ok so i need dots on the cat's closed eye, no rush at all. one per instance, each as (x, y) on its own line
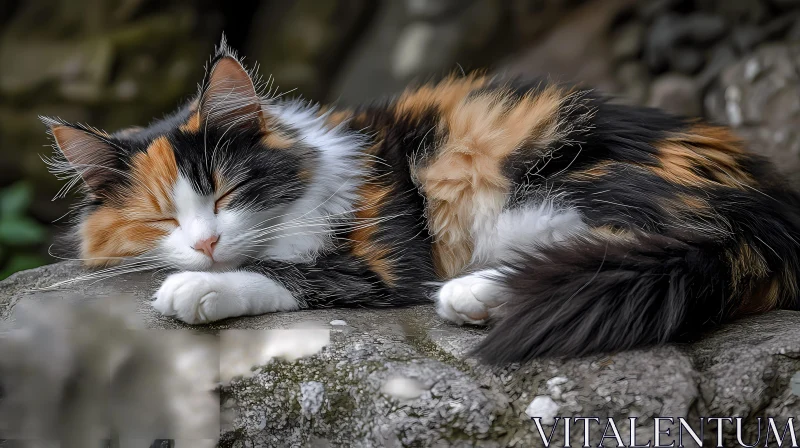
(223, 200)
(167, 221)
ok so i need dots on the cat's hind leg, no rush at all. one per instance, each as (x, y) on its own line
(479, 296)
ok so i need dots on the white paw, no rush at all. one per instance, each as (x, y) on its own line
(193, 297)
(473, 298)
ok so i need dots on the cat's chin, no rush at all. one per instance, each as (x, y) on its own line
(208, 266)
(221, 266)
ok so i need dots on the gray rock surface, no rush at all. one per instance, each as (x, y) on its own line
(759, 96)
(340, 396)
(676, 94)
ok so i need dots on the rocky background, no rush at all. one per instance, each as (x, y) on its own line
(115, 63)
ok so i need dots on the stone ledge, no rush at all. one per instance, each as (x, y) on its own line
(338, 397)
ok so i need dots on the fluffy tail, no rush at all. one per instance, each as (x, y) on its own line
(605, 295)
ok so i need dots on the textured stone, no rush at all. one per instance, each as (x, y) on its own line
(413, 40)
(634, 80)
(686, 60)
(675, 40)
(338, 396)
(677, 94)
(577, 50)
(759, 96)
(628, 41)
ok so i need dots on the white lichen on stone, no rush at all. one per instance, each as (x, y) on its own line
(543, 407)
(293, 344)
(403, 388)
(733, 108)
(312, 395)
(242, 350)
(554, 386)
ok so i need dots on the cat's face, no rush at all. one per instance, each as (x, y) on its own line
(194, 190)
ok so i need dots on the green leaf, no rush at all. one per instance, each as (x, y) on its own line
(21, 231)
(14, 200)
(21, 262)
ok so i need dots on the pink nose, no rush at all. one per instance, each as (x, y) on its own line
(206, 246)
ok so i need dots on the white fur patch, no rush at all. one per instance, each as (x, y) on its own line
(523, 228)
(333, 190)
(473, 298)
(197, 221)
(201, 297)
(195, 215)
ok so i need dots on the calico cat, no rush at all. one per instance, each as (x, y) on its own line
(579, 225)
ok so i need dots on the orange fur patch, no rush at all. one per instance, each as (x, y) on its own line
(687, 212)
(592, 173)
(154, 173)
(192, 125)
(371, 197)
(107, 235)
(761, 288)
(690, 209)
(693, 203)
(701, 157)
(764, 296)
(613, 233)
(444, 96)
(752, 280)
(131, 225)
(335, 118)
(464, 180)
(278, 140)
(748, 262)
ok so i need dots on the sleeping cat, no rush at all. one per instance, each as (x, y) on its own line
(579, 225)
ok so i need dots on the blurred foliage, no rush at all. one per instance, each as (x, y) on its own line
(20, 234)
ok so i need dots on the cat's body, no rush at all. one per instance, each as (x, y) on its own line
(582, 225)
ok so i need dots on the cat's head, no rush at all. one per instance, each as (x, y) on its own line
(191, 187)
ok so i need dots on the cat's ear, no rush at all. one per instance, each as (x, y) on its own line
(86, 151)
(229, 98)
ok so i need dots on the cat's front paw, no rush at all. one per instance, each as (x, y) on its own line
(473, 299)
(193, 297)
